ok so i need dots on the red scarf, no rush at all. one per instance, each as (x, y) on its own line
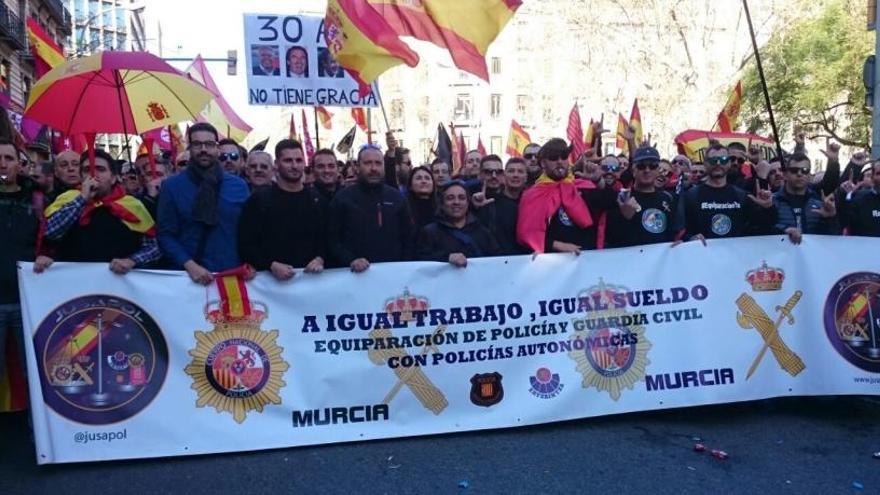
(541, 202)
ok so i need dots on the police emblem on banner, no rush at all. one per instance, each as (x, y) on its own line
(101, 359)
(613, 357)
(721, 224)
(486, 389)
(545, 384)
(402, 307)
(654, 221)
(237, 367)
(852, 319)
(766, 280)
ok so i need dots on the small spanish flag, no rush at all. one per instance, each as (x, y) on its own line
(729, 115)
(324, 117)
(517, 140)
(588, 135)
(234, 300)
(635, 120)
(622, 124)
(360, 118)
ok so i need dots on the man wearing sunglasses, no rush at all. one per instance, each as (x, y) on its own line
(804, 209)
(560, 213)
(717, 209)
(231, 157)
(644, 215)
(491, 180)
(530, 155)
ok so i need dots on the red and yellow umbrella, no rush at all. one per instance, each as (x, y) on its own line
(115, 92)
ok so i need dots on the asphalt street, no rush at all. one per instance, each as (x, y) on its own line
(794, 445)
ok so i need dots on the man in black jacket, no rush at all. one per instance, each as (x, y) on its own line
(499, 215)
(282, 225)
(860, 211)
(457, 236)
(802, 208)
(20, 215)
(369, 222)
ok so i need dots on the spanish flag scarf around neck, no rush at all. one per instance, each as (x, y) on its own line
(540, 202)
(127, 208)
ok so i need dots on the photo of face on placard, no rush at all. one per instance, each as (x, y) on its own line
(327, 65)
(264, 60)
(297, 61)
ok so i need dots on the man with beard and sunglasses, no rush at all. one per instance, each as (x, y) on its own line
(644, 215)
(282, 226)
(199, 210)
(560, 213)
(369, 222)
(231, 157)
(530, 155)
(718, 209)
(803, 209)
(500, 215)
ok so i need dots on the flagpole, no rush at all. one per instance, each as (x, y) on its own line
(763, 81)
(369, 126)
(381, 104)
(317, 132)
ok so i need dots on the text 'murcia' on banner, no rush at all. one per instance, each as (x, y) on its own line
(288, 63)
(151, 365)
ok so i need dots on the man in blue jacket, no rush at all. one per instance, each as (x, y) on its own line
(199, 210)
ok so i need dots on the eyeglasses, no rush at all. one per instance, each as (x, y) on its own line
(493, 171)
(647, 165)
(614, 167)
(529, 156)
(231, 157)
(718, 160)
(555, 156)
(203, 144)
(798, 171)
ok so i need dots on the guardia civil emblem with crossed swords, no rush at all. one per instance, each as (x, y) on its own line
(752, 316)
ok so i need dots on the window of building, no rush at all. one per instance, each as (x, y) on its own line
(425, 146)
(120, 41)
(108, 41)
(26, 88)
(496, 65)
(522, 105)
(495, 145)
(495, 106)
(120, 18)
(464, 104)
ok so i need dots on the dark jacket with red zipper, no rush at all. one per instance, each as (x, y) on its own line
(371, 222)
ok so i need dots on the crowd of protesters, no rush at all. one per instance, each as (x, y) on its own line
(217, 207)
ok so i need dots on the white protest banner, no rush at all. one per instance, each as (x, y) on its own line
(150, 364)
(288, 63)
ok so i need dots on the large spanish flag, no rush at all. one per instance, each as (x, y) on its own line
(47, 53)
(362, 41)
(729, 115)
(517, 140)
(465, 28)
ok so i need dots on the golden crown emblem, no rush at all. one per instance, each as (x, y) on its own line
(765, 278)
(215, 314)
(406, 304)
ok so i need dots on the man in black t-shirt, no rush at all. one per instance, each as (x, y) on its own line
(645, 215)
(717, 209)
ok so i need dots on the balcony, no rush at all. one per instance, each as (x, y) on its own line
(59, 13)
(11, 28)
